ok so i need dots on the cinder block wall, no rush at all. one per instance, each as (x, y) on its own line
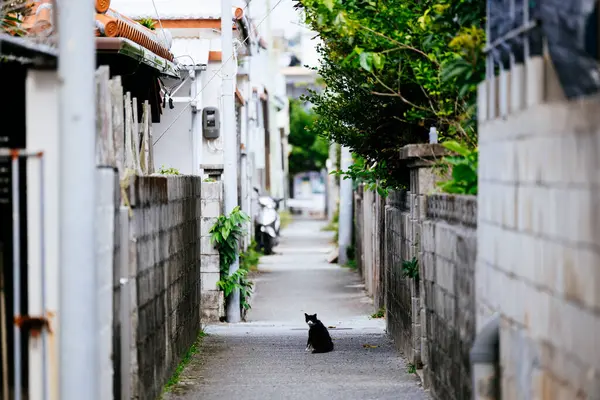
(165, 258)
(539, 237)
(399, 290)
(358, 229)
(447, 275)
(213, 301)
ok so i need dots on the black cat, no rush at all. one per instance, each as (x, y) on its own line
(318, 336)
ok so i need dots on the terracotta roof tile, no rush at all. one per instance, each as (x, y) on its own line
(109, 23)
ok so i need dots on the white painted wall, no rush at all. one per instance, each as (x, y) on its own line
(175, 147)
(43, 134)
(212, 150)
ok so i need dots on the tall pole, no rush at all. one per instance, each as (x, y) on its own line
(345, 220)
(78, 312)
(274, 144)
(229, 133)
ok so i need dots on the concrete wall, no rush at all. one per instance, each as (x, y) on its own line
(430, 317)
(164, 250)
(447, 275)
(175, 148)
(401, 313)
(539, 230)
(213, 307)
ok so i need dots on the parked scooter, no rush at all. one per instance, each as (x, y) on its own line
(267, 223)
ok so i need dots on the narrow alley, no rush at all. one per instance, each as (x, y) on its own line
(264, 358)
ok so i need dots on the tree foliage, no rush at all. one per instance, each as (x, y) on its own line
(393, 69)
(309, 149)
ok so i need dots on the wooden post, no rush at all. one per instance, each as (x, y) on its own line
(104, 136)
(144, 142)
(118, 123)
(135, 134)
(129, 146)
(150, 141)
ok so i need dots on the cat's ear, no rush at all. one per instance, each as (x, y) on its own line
(315, 316)
(306, 315)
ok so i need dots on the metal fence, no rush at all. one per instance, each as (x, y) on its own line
(565, 30)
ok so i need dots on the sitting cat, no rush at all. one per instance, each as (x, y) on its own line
(318, 336)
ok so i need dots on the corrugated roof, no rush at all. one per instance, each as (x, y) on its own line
(170, 9)
(191, 51)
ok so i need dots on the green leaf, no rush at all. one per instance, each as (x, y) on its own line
(365, 60)
(378, 61)
(456, 147)
(463, 172)
(329, 4)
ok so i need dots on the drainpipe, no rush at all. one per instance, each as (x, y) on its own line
(485, 361)
(78, 313)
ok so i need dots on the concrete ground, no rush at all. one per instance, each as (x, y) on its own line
(265, 358)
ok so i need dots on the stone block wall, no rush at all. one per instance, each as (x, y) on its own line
(447, 274)
(358, 228)
(213, 302)
(539, 236)
(106, 201)
(165, 260)
(368, 226)
(369, 230)
(399, 292)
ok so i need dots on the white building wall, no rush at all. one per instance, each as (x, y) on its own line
(43, 134)
(174, 149)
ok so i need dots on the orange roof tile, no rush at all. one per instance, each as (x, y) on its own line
(109, 23)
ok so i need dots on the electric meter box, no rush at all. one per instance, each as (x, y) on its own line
(211, 124)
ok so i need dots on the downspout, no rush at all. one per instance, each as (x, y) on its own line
(485, 361)
(196, 130)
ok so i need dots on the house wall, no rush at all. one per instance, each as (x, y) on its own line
(538, 260)
(175, 148)
(212, 150)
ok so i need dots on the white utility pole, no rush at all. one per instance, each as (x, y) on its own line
(229, 132)
(345, 221)
(78, 312)
(274, 144)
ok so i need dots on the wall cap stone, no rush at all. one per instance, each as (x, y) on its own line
(422, 153)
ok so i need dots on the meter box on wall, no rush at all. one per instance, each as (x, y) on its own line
(211, 124)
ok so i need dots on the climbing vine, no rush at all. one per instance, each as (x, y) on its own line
(226, 234)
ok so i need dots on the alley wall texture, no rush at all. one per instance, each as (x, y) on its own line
(157, 268)
(526, 249)
(165, 270)
(157, 316)
(430, 316)
(538, 263)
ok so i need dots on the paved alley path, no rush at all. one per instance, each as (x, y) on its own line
(265, 358)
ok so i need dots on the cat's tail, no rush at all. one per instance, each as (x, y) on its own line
(325, 350)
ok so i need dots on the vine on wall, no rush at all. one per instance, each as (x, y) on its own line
(226, 234)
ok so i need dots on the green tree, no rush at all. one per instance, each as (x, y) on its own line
(392, 70)
(310, 150)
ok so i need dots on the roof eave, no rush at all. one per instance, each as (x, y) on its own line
(41, 55)
(133, 50)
